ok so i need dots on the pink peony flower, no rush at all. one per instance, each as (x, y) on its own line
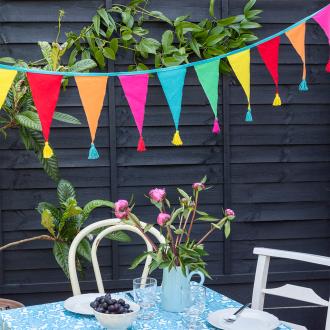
(230, 214)
(157, 194)
(163, 218)
(198, 186)
(121, 209)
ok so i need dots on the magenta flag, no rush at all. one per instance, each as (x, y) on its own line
(136, 88)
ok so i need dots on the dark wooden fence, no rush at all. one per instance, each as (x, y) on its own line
(273, 172)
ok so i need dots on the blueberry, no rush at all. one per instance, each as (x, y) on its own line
(112, 301)
(121, 302)
(116, 306)
(127, 306)
(107, 312)
(130, 311)
(121, 310)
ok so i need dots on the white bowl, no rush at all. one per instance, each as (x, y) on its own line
(118, 321)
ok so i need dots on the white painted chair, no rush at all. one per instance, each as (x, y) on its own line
(287, 290)
(110, 226)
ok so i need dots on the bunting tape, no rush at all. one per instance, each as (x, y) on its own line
(125, 73)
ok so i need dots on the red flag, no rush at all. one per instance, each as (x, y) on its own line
(269, 54)
(45, 90)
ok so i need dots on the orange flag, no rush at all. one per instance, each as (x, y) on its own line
(297, 39)
(92, 92)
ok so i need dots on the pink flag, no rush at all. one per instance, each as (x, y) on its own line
(323, 18)
(136, 88)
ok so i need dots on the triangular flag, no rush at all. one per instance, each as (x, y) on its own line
(136, 88)
(297, 39)
(240, 63)
(269, 54)
(45, 89)
(172, 82)
(323, 19)
(208, 76)
(92, 92)
(6, 79)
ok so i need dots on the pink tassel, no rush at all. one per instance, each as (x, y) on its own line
(216, 127)
(141, 146)
(327, 67)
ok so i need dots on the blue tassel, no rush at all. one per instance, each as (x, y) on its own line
(248, 116)
(303, 86)
(93, 154)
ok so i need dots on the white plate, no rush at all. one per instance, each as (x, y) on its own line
(80, 303)
(249, 319)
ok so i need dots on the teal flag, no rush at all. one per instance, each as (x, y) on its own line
(208, 76)
(172, 82)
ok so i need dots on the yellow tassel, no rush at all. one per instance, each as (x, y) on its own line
(277, 100)
(48, 152)
(177, 139)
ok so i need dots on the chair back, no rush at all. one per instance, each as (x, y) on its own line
(288, 291)
(110, 226)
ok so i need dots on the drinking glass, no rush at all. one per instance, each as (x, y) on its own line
(198, 298)
(145, 295)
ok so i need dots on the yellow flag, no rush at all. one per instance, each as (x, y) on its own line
(240, 64)
(6, 79)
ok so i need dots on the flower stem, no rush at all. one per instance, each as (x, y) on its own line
(26, 240)
(193, 216)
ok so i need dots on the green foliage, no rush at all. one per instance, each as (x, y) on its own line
(64, 222)
(122, 27)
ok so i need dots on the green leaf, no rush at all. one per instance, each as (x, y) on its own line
(249, 5)
(66, 118)
(99, 58)
(250, 25)
(103, 13)
(253, 13)
(167, 40)
(180, 19)
(227, 229)
(126, 35)
(208, 218)
(147, 227)
(65, 190)
(61, 254)
(161, 16)
(92, 205)
(83, 65)
(227, 21)
(149, 45)
(138, 260)
(183, 193)
(178, 231)
(114, 44)
(140, 31)
(46, 51)
(47, 221)
(189, 27)
(194, 45)
(8, 60)
(213, 39)
(84, 249)
(71, 209)
(211, 8)
(96, 23)
(29, 119)
(109, 53)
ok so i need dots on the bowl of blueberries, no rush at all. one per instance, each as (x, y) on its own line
(113, 312)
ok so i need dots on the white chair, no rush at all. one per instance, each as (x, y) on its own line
(109, 225)
(287, 290)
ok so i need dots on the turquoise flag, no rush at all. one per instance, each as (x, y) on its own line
(172, 82)
(208, 76)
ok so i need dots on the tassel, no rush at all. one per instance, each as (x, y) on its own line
(141, 146)
(93, 154)
(48, 151)
(216, 127)
(177, 139)
(327, 67)
(248, 116)
(303, 86)
(277, 100)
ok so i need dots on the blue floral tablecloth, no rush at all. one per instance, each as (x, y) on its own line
(54, 316)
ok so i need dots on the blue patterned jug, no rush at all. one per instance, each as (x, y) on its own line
(175, 292)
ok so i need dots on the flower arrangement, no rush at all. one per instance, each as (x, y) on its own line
(179, 249)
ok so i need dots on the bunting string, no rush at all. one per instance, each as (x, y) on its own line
(45, 85)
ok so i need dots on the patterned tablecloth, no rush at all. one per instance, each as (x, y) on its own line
(54, 316)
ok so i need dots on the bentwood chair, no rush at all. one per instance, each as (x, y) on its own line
(288, 291)
(110, 226)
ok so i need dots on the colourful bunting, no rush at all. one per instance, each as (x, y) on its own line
(240, 64)
(297, 39)
(136, 88)
(208, 76)
(269, 54)
(172, 82)
(323, 19)
(92, 92)
(6, 79)
(45, 90)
